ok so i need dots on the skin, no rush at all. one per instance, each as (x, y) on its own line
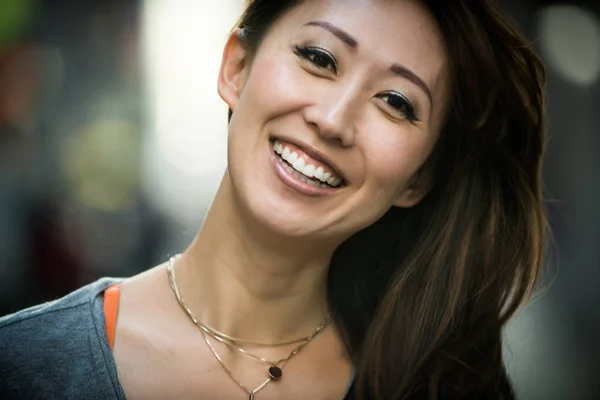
(258, 267)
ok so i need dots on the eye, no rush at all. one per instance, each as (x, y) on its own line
(399, 104)
(318, 57)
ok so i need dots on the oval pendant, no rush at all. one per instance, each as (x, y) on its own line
(275, 372)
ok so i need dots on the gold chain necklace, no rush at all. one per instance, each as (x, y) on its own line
(250, 392)
(275, 370)
(212, 331)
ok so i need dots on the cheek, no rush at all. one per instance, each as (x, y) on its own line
(265, 94)
(394, 155)
(276, 84)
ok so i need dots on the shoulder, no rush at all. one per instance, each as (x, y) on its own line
(51, 347)
(52, 321)
(56, 312)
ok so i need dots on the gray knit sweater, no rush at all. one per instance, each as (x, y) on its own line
(59, 350)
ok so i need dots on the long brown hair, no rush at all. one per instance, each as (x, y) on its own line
(421, 295)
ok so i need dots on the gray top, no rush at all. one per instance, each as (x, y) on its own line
(59, 350)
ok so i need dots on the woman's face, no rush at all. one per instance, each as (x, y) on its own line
(357, 90)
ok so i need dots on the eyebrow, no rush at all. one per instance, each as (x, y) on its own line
(352, 42)
(414, 78)
(344, 36)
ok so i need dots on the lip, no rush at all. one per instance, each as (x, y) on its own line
(314, 153)
(294, 183)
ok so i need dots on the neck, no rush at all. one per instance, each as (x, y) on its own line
(250, 283)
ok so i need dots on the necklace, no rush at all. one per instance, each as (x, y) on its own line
(275, 370)
(213, 332)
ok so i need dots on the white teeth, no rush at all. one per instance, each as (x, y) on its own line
(299, 164)
(288, 168)
(332, 182)
(319, 173)
(309, 170)
(278, 148)
(301, 169)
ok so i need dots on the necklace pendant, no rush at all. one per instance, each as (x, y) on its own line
(275, 372)
(251, 396)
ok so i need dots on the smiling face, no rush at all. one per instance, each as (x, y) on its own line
(334, 115)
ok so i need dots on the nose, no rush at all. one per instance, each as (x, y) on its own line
(334, 114)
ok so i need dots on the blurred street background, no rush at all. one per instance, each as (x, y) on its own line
(112, 142)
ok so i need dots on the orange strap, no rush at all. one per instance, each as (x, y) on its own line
(111, 308)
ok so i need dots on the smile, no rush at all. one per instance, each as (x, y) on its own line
(303, 172)
(309, 171)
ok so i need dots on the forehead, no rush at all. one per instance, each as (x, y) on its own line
(387, 31)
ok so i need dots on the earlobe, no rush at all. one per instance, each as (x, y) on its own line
(416, 190)
(233, 70)
(409, 198)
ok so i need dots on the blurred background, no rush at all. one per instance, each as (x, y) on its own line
(112, 142)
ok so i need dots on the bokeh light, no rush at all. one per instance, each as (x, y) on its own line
(185, 151)
(570, 42)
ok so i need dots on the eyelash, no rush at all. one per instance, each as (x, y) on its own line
(327, 61)
(310, 54)
(405, 107)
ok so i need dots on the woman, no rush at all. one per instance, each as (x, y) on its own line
(379, 221)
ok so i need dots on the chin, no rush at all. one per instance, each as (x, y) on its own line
(283, 216)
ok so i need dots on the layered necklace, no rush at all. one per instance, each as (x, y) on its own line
(275, 367)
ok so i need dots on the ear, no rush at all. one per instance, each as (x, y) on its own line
(419, 185)
(232, 75)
